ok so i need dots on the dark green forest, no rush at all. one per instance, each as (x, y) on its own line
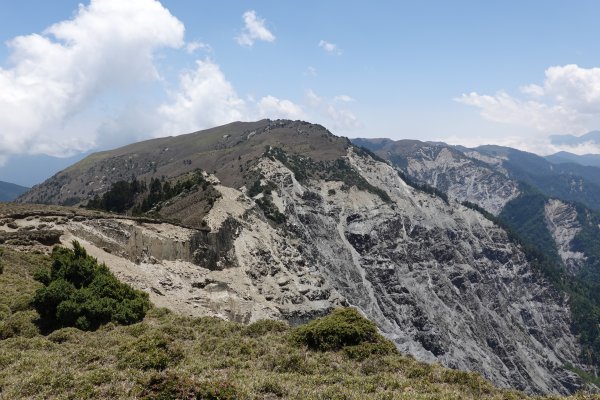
(140, 198)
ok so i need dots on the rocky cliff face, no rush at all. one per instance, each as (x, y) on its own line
(563, 224)
(326, 229)
(463, 177)
(442, 281)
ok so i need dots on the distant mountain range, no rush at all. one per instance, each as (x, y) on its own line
(563, 157)
(10, 191)
(572, 140)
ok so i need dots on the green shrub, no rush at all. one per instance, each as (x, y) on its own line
(290, 362)
(4, 311)
(79, 292)
(265, 326)
(19, 324)
(167, 386)
(362, 351)
(343, 327)
(21, 302)
(152, 350)
(65, 335)
(271, 386)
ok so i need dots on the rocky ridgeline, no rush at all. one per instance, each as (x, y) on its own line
(463, 177)
(439, 279)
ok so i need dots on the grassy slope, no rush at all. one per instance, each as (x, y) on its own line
(167, 354)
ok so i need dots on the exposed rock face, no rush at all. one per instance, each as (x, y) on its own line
(562, 222)
(442, 281)
(439, 279)
(462, 176)
(465, 180)
(248, 282)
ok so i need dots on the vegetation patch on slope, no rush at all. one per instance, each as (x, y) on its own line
(265, 201)
(184, 199)
(305, 168)
(423, 187)
(80, 292)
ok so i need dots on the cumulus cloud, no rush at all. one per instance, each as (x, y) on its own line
(205, 98)
(330, 48)
(330, 114)
(507, 109)
(272, 107)
(194, 46)
(57, 74)
(567, 101)
(254, 30)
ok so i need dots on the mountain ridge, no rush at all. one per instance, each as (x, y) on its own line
(542, 216)
(573, 140)
(306, 220)
(562, 157)
(11, 191)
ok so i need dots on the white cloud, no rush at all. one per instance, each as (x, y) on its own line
(254, 30)
(311, 71)
(192, 47)
(205, 99)
(313, 99)
(57, 75)
(330, 48)
(568, 101)
(507, 109)
(272, 107)
(330, 114)
(344, 98)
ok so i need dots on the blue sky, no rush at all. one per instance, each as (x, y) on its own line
(467, 72)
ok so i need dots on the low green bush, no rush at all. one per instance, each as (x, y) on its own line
(265, 326)
(271, 386)
(152, 350)
(19, 324)
(342, 328)
(4, 311)
(80, 292)
(167, 386)
(65, 335)
(363, 351)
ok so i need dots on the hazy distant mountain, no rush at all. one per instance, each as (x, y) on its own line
(10, 191)
(563, 157)
(30, 169)
(572, 140)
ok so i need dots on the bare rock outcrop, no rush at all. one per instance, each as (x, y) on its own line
(563, 224)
